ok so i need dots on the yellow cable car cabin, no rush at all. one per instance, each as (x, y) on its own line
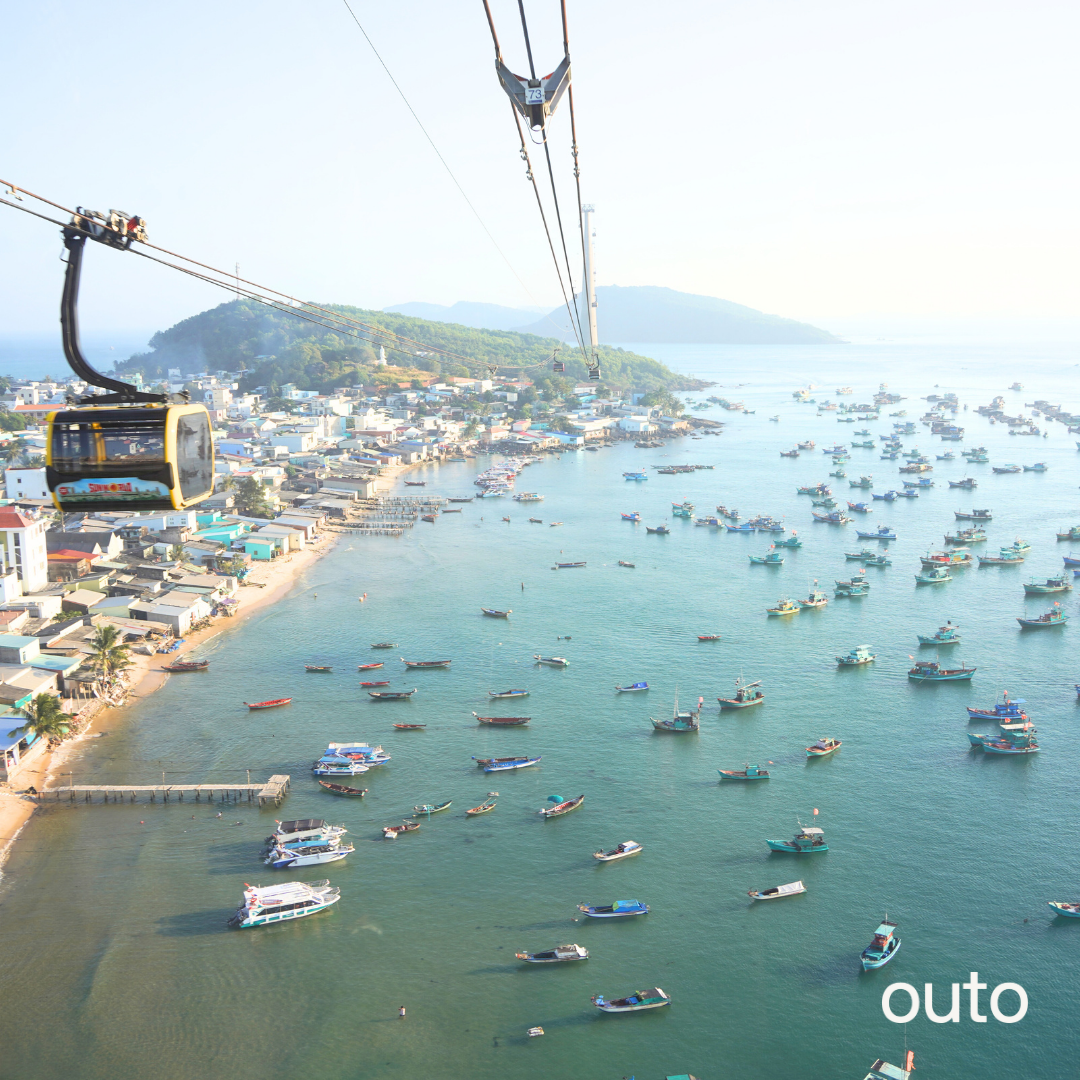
(153, 457)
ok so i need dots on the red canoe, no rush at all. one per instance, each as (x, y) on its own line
(367, 667)
(273, 704)
(387, 683)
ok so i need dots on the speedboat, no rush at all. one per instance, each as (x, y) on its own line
(883, 948)
(278, 903)
(308, 854)
(560, 954)
(620, 851)
(794, 888)
(633, 688)
(618, 910)
(551, 661)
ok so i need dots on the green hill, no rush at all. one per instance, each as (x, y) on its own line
(274, 348)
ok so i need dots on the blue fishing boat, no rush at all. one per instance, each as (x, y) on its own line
(635, 476)
(889, 496)
(661, 530)
(635, 516)
(1051, 585)
(772, 557)
(806, 841)
(619, 910)
(859, 507)
(681, 512)
(935, 575)
(884, 532)
(1054, 617)
(1003, 710)
(863, 482)
(947, 456)
(792, 541)
(632, 688)
(855, 587)
(1014, 739)
(932, 671)
(1069, 910)
(746, 527)
(922, 482)
(504, 764)
(1071, 559)
(883, 948)
(907, 493)
(833, 517)
(680, 722)
(967, 482)
(750, 772)
(861, 654)
(1039, 466)
(944, 635)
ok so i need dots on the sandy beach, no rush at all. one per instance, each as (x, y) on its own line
(267, 583)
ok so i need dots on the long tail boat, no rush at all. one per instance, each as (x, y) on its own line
(561, 806)
(503, 721)
(343, 789)
(274, 703)
(391, 695)
(368, 667)
(425, 663)
(187, 665)
(485, 807)
(410, 727)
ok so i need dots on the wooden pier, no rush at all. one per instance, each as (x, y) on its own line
(273, 790)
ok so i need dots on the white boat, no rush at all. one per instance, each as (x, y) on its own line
(291, 858)
(303, 829)
(279, 903)
(777, 891)
(338, 767)
(560, 954)
(552, 661)
(620, 851)
(643, 999)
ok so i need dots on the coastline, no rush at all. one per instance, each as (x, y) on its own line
(267, 584)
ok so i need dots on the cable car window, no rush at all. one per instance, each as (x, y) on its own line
(194, 455)
(104, 446)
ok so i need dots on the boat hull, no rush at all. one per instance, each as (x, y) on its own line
(731, 703)
(1061, 908)
(870, 963)
(792, 849)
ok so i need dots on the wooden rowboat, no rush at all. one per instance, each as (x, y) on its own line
(503, 721)
(428, 809)
(343, 789)
(425, 663)
(563, 806)
(391, 832)
(410, 727)
(187, 665)
(368, 667)
(388, 695)
(508, 693)
(485, 807)
(272, 704)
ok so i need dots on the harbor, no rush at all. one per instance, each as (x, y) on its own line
(435, 919)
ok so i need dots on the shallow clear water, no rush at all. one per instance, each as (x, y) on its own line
(117, 958)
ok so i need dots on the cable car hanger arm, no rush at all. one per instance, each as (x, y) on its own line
(117, 232)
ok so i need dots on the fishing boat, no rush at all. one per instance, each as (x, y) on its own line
(391, 695)
(342, 767)
(416, 483)
(947, 456)
(1039, 466)
(567, 565)
(303, 829)
(889, 496)
(494, 613)
(975, 534)
(861, 654)
(807, 840)
(620, 851)
(431, 517)
(273, 703)
(922, 482)
(814, 489)
(392, 832)
(746, 527)
(1006, 468)
(643, 999)
(635, 516)
(1071, 560)
(823, 747)
(833, 517)
(863, 482)
(1003, 710)
(860, 556)
(790, 453)
(385, 645)
(192, 665)
(633, 688)
(536, 521)
(974, 515)
(629, 564)
(1062, 907)
(792, 541)
(808, 445)
(772, 557)
(1054, 617)
(428, 809)
(932, 671)
(937, 575)
(311, 854)
(661, 530)
(777, 891)
(1015, 739)
(426, 663)
(859, 507)
(878, 560)
(750, 772)
(882, 1070)
(784, 606)
(949, 634)
(410, 727)
(619, 910)
(635, 476)
(502, 721)
(968, 482)
(321, 669)
(560, 954)
(1073, 533)
(708, 637)
(507, 693)
(1051, 585)
(381, 682)
(838, 473)
(955, 559)
(469, 499)
(343, 789)
(816, 599)
(447, 510)
(551, 661)
(1006, 557)
(279, 903)
(680, 721)
(857, 586)
(505, 764)
(369, 667)
(560, 806)
(883, 532)
(883, 948)
(746, 694)
(485, 807)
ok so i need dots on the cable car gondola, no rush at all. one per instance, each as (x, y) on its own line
(124, 450)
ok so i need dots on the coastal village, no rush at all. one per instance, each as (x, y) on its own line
(291, 473)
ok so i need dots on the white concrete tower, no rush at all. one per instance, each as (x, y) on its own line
(588, 288)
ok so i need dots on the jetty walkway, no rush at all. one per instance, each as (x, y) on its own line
(273, 790)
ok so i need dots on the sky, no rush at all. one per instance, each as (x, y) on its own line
(847, 163)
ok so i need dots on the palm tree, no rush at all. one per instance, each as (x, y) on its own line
(107, 652)
(176, 553)
(44, 718)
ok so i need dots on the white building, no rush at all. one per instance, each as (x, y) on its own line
(25, 484)
(22, 543)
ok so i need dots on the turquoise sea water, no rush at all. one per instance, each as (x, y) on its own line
(117, 961)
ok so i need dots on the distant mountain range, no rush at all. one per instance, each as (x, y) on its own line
(639, 314)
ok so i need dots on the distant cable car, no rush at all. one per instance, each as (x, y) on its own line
(127, 450)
